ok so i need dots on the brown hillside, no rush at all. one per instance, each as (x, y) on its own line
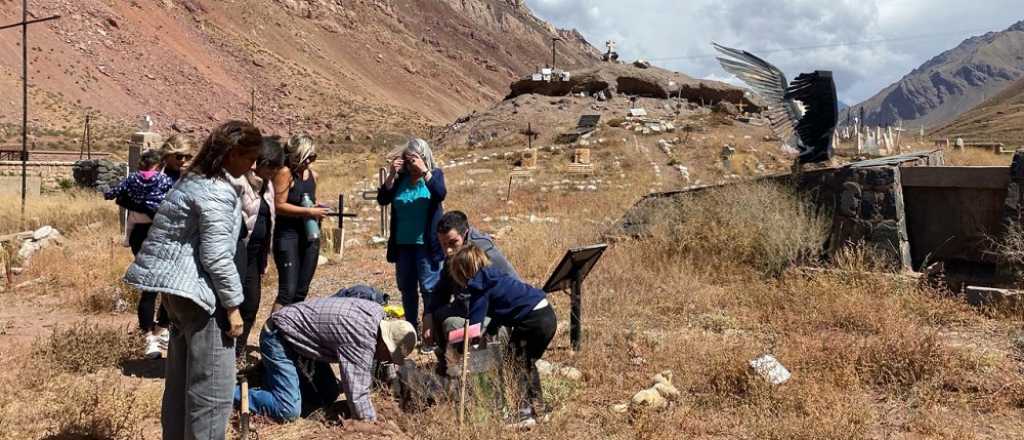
(316, 65)
(1000, 119)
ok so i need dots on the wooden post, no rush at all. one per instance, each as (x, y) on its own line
(575, 317)
(508, 194)
(382, 175)
(7, 252)
(134, 154)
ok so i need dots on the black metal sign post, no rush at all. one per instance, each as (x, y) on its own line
(24, 92)
(569, 275)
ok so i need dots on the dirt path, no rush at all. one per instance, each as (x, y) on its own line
(659, 180)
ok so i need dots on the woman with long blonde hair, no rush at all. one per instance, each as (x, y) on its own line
(295, 253)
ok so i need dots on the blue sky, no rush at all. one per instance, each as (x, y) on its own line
(676, 34)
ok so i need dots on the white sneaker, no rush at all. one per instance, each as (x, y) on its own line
(164, 338)
(153, 347)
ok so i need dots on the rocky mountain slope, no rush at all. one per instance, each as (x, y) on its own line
(951, 83)
(1000, 119)
(335, 66)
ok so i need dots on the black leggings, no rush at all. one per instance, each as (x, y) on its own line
(147, 300)
(528, 341)
(295, 258)
(252, 282)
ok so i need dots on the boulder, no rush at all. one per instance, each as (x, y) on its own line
(726, 108)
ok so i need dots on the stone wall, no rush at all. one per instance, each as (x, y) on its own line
(50, 174)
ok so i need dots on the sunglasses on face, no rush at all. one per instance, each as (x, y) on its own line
(183, 157)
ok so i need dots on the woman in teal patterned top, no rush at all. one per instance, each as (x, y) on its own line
(415, 189)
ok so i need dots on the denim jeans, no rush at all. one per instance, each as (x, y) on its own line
(415, 269)
(200, 373)
(287, 393)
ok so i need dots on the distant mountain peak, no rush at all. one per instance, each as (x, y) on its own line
(952, 82)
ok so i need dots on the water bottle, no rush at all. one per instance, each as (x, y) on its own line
(312, 228)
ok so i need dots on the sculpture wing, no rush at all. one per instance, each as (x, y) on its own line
(768, 82)
(817, 92)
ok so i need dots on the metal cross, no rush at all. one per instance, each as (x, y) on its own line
(24, 91)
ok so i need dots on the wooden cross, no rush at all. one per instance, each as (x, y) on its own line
(24, 91)
(530, 135)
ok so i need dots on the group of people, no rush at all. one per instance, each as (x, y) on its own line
(202, 228)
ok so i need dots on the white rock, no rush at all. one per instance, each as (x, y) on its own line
(377, 240)
(321, 260)
(42, 233)
(770, 369)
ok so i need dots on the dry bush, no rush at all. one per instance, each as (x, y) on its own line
(101, 408)
(117, 297)
(1009, 246)
(761, 226)
(87, 347)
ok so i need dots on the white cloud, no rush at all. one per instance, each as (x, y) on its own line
(677, 34)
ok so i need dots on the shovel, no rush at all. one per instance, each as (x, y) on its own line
(243, 418)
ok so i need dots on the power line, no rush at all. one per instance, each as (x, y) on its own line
(830, 45)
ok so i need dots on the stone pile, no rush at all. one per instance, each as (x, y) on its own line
(648, 126)
(29, 243)
(101, 174)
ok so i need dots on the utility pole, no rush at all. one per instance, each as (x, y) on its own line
(24, 92)
(553, 41)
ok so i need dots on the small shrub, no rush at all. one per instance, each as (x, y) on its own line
(86, 348)
(65, 183)
(101, 409)
(117, 298)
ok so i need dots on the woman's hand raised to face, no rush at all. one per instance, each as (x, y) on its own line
(417, 167)
(396, 165)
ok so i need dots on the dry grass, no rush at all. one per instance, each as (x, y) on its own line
(976, 157)
(68, 211)
(760, 226)
(102, 408)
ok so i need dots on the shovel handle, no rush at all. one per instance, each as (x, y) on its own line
(465, 366)
(243, 418)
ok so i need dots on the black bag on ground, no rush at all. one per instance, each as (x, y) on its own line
(363, 291)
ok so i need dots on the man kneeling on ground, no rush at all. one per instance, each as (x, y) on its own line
(300, 341)
(443, 314)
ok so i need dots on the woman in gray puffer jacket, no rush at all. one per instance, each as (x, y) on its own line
(188, 258)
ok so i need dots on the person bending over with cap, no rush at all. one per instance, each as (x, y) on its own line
(443, 313)
(299, 342)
